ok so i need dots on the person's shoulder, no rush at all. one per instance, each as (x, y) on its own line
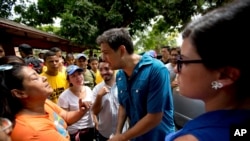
(158, 65)
(168, 64)
(101, 84)
(87, 88)
(49, 103)
(62, 74)
(64, 93)
(87, 73)
(119, 72)
(43, 74)
(187, 137)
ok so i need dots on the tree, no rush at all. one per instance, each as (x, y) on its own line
(5, 8)
(153, 38)
(83, 20)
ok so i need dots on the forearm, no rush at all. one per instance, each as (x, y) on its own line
(72, 116)
(97, 106)
(121, 119)
(146, 124)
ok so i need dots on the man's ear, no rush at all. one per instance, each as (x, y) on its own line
(229, 75)
(18, 93)
(122, 50)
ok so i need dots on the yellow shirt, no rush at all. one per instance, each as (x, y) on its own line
(63, 70)
(98, 77)
(58, 83)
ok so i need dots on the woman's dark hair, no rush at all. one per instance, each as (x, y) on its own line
(219, 40)
(12, 59)
(10, 78)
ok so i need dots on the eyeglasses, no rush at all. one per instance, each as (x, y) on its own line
(5, 125)
(180, 62)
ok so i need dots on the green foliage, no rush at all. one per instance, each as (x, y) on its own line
(50, 29)
(155, 37)
(39, 13)
(5, 8)
(83, 20)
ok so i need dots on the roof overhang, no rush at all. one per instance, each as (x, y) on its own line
(36, 38)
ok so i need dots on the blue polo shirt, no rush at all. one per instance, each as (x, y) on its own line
(148, 90)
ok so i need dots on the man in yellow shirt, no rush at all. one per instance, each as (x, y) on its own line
(56, 79)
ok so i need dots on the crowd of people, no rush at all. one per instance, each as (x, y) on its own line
(125, 96)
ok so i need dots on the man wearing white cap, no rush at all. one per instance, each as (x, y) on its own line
(89, 76)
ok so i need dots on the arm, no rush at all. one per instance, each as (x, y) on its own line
(143, 126)
(97, 106)
(73, 116)
(121, 119)
(95, 119)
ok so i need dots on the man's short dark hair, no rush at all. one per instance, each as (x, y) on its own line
(55, 49)
(166, 47)
(25, 48)
(48, 54)
(93, 59)
(116, 37)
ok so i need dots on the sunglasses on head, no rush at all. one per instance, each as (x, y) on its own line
(5, 67)
(180, 61)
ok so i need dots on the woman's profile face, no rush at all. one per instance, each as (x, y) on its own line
(35, 85)
(194, 79)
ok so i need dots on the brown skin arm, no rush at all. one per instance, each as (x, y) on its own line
(147, 123)
(121, 119)
(73, 116)
(97, 106)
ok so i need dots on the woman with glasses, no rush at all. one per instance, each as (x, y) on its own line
(214, 68)
(23, 99)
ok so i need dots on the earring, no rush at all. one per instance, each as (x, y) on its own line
(216, 85)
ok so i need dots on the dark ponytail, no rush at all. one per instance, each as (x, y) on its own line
(10, 78)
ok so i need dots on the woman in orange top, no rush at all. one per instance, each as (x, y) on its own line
(24, 100)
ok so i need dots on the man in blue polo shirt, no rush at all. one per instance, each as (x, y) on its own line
(144, 90)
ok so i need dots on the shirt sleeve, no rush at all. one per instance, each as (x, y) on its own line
(62, 101)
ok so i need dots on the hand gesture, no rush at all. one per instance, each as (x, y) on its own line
(103, 91)
(117, 137)
(84, 105)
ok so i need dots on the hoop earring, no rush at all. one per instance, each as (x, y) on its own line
(216, 85)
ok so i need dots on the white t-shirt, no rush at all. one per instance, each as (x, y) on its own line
(68, 100)
(108, 115)
(171, 71)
